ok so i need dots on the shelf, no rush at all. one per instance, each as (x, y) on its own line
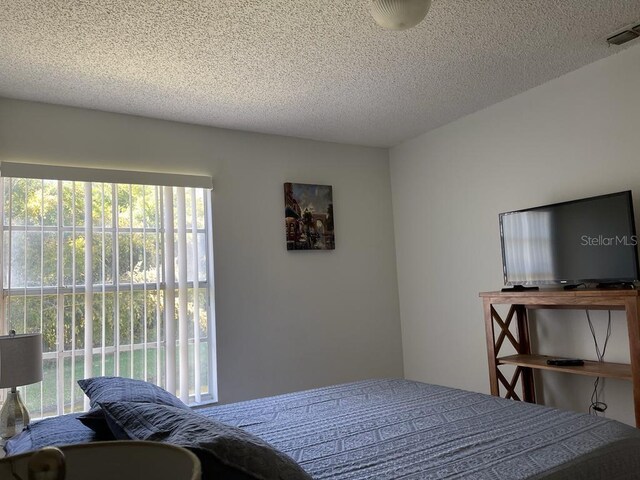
(592, 369)
(566, 299)
(510, 329)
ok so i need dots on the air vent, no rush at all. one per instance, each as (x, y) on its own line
(624, 37)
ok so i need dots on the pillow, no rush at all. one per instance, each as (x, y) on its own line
(62, 430)
(115, 389)
(224, 451)
(96, 421)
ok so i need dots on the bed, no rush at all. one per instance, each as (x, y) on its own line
(398, 429)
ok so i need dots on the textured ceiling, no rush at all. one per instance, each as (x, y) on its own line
(316, 69)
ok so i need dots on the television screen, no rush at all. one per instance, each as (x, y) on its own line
(583, 241)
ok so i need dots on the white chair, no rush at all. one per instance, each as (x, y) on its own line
(122, 460)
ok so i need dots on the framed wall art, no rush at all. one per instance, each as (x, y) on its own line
(308, 212)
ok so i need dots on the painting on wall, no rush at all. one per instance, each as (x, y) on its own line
(308, 212)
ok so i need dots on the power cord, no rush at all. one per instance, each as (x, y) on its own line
(598, 406)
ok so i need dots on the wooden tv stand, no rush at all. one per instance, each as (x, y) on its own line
(525, 361)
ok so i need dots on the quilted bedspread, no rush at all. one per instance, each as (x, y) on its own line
(400, 429)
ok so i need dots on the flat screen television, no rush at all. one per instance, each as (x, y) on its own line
(591, 240)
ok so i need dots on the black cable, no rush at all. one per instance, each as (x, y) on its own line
(596, 405)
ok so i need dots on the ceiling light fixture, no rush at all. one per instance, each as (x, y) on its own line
(399, 14)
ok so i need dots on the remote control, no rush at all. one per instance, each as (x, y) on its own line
(565, 362)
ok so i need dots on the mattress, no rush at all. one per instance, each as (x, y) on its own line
(400, 429)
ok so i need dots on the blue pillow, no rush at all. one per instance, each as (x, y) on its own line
(116, 389)
(224, 451)
(62, 430)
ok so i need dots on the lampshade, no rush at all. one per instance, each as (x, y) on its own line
(20, 359)
(399, 14)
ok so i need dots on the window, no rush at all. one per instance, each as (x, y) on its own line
(125, 268)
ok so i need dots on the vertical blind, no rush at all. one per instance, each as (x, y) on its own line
(118, 277)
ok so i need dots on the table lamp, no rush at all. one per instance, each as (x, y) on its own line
(20, 364)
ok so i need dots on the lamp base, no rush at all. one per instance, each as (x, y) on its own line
(13, 416)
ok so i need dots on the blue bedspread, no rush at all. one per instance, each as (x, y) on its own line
(399, 429)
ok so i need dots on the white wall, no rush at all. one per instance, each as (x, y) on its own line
(285, 320)
(573, 137)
